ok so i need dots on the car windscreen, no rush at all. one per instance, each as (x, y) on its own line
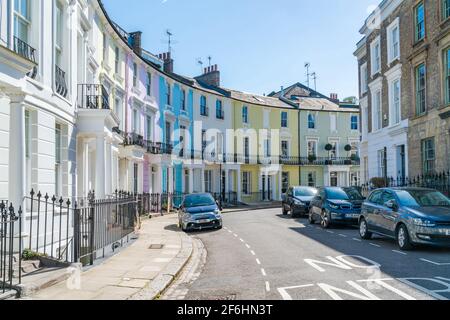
(344, 194)
(305, 192)
(200, 200)
(422, 198)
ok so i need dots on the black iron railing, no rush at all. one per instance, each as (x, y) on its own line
(10, 258)
(24, 50)
(60, 82)
(438, 181)
(92, 96)
(134, 139)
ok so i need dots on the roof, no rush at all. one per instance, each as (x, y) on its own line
(260, 100)
(298, 90)
(321, 104)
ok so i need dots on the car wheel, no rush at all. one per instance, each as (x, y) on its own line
(311, 218)
(403, 240)
(325, 220)
(364, 230)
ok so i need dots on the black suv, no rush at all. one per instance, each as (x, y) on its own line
(297, 200)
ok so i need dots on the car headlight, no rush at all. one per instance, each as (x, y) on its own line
(334, 206)
(423, 222)
(189, 218)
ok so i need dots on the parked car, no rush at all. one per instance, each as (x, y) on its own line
(409, 215)
(199, 212)
(336, 205)
(297, 200)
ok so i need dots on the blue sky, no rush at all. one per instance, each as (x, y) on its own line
(259, 45)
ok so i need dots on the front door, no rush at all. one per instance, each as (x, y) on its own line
(333, 179)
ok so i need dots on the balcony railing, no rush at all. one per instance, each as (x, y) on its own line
(134, 139)
(92, 96)
(24, 50)
(319, 161)
(60, 82)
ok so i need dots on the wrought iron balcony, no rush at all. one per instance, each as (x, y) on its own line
(134, 139)
(60, 82)
(92, 96)
(24, 50)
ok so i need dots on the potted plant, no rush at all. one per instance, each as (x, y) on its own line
(328, 147)
(312, 158)
(348, 148)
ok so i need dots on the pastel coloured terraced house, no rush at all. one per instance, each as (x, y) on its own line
(91, 109)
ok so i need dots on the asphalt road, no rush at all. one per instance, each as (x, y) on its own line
(263, 255)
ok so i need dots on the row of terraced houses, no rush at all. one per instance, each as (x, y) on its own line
(404, 67)
(83, 106)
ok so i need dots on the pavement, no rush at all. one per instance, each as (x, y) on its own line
(137, 272)
(264, 255)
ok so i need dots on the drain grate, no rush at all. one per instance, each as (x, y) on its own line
(156, 246)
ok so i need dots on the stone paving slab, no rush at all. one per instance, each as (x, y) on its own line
(136, 272)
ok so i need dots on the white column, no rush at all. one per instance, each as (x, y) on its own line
(239, 184)
(85, 168)
(140, 177)
(130, 176)
(227, 180)
(191, 181)
(170, 173)
(108, 169)
(17, 183)
(202, 179)
(100, 168)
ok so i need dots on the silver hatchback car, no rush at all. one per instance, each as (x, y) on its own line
(409, 215)
(199, 212)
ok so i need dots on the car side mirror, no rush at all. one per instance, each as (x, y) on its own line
(391, 204)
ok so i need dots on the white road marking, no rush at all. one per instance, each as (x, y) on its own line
(258, 262)
(399, 252)
(241, 240)
(358, 240)
(248, 247)
(235, 235)
(375, 245)
(332, 232)
(264, 272)
(287, 296)
(342, 235)
(435, 263)
(230, 231)
(253, 253)
(267, 286)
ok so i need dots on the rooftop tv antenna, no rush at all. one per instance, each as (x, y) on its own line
(169, 35)
(200, 63)
(307, 66)
(209, 59)
(314, 77)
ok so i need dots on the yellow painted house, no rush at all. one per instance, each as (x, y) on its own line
(266, 137)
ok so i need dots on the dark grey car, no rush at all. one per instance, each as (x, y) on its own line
(199, 212)
(409, 215)
(297, 200)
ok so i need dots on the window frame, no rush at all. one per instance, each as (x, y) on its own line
(373, 53)
(245, 114)
(390, 40)
(428, 162)
(312, 121)
(445, 10)
(418, 23)
(352, 123)
(149, 84)
(446, 75)
(284, 122)
(420, 109)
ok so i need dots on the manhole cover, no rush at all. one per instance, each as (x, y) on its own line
(156, 246)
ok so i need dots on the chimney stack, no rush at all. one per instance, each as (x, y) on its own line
(168, 61)
(334, 97)
(210, 76)
(136, 41)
